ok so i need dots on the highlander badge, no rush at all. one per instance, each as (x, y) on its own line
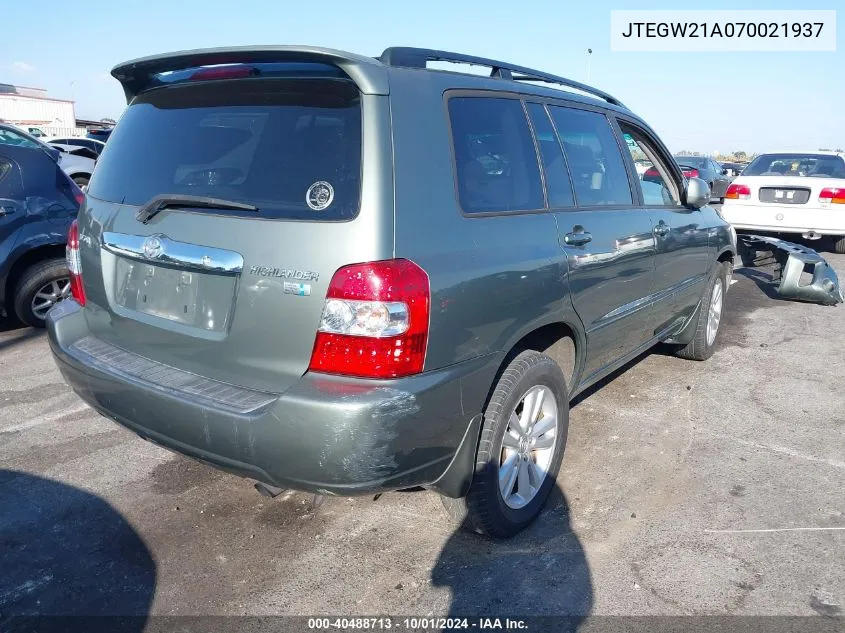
(284, 273)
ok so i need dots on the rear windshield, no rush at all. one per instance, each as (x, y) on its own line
(291, 147)
(691, 161)
(815, 165)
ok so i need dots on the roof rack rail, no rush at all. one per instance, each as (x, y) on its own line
(409, 57)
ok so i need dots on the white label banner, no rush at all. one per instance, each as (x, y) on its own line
(722, 31)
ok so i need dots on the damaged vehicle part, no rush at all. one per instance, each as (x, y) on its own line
(791, 260)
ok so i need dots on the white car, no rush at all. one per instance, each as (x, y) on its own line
(799, 193)
(78, 167)
(93, 144)
(77, 162)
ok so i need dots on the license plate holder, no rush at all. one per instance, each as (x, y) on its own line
(785, 195)
(188, 297)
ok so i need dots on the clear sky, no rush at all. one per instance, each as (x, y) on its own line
(697, 101)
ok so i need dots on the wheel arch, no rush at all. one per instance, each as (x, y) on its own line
(25, 260)
(727, 254)
(564, 342)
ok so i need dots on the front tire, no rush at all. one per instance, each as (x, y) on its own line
(39, 288)
(709, 316)
(520, 451)
(839, 245)
(81, 181)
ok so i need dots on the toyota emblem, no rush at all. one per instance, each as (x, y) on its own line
(152, 247)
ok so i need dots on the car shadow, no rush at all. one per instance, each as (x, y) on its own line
(12, 337)
(660, 348)
(65, 552)
(10, 323)
(764, 281)
(542, 571)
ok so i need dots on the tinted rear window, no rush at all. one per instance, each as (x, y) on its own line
(290, 147)
(495, 160)
(699, 162)
(813, 165)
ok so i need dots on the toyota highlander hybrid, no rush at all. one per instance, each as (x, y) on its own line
(343, 274)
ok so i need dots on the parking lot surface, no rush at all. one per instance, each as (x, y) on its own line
(687, 488)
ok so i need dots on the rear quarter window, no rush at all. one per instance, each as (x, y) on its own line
(290, 147)
(495, 161)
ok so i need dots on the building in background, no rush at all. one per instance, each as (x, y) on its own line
(31, 106)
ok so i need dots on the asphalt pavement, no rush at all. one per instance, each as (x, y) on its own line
(687, 488)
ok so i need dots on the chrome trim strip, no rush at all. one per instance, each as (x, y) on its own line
(160, 249)
(644, 302)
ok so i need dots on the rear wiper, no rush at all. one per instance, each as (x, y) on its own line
(174, 200)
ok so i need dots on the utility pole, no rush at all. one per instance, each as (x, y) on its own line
(589, 62)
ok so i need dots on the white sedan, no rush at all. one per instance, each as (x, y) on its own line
(799, 193)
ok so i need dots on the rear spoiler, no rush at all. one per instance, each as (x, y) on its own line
(368, 73)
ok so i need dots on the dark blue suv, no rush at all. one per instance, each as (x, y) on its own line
(38, 202)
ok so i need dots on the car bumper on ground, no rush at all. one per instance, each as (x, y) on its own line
(325, 434)
(792, 260)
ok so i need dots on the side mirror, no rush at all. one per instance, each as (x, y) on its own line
(696, 193)
(724, 172)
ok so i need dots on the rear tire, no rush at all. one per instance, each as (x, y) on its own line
(709, 316)
(81, 181)
(518, 459)
(41, 286)
(839, 245)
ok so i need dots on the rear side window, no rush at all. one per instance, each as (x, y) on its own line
(495, 160)
(598, 171)
(558, 186)
(8, 137)
(291, 147)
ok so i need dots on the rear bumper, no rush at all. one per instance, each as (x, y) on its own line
(325, 434)
(792, 261)
(786, 230)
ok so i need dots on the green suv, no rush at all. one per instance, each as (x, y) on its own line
(344, 274)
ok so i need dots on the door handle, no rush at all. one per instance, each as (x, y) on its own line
(661, 229)
(578, 237)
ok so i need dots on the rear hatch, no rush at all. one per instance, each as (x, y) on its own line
(224, 201)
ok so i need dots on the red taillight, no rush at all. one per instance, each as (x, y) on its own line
(691, 173)
(375, 321)
(832, 195)
(78, 194)
(223, 72)
(651, 171)
(73, 265)
(738, 192)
